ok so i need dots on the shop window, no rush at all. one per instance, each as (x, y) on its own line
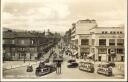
(120, 42)
(111, 42)
(102, 51)
(120, 50)
(102, 42)
(84, 41)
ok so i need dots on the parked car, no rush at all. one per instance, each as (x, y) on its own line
(73, 65)
(71, 60)
(40, 71)
(86, 66)
(29, 68)
(104, 69)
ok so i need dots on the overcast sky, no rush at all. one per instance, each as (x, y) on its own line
(58, 15)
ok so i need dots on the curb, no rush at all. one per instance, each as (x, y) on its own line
(5, 69)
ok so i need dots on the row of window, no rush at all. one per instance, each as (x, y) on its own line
(104, 51)
(110, 58)
(120, 42)
(112, 32)
(102, 42)
(19, 42)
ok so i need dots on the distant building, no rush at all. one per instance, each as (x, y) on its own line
(90, 40)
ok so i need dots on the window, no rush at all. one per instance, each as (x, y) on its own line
(102, 51)
(121, 32)
(13, 42)
(122, 58)
(118, 32)
(32, 42)
(111, 42)
(120, 42)
(102, 32)
(99, 58)
(114, 32)
(111, 50)
(22, 41)
(102, 42)
(85, 42)
(120, 50)
(111, 32)
(93, 41)
(106, 32)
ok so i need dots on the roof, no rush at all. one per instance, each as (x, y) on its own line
(106, 28)
(8, 34)
(24, 35)
(12, 34)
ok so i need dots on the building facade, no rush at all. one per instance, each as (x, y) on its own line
(99, 43)
(27, 45)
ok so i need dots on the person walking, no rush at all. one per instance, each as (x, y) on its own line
(58, 69)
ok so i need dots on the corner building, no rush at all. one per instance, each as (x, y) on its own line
(97, 42)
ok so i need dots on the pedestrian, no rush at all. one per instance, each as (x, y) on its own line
(58, 69)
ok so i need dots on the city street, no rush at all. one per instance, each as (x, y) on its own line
(67, 73)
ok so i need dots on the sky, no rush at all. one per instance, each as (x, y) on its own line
(58, 15)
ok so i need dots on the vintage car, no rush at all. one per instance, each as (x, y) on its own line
(46, 69)
(71, 60)
(104, 69)
(86, 66)
(29, 68)
(73, 65)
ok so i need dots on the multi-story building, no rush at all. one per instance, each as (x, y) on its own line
(97, 42)
(105, 40)
(26, 45)
(17, 46)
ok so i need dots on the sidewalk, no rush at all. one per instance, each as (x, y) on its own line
(15, 64)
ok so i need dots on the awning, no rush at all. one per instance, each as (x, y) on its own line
(90, 55)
